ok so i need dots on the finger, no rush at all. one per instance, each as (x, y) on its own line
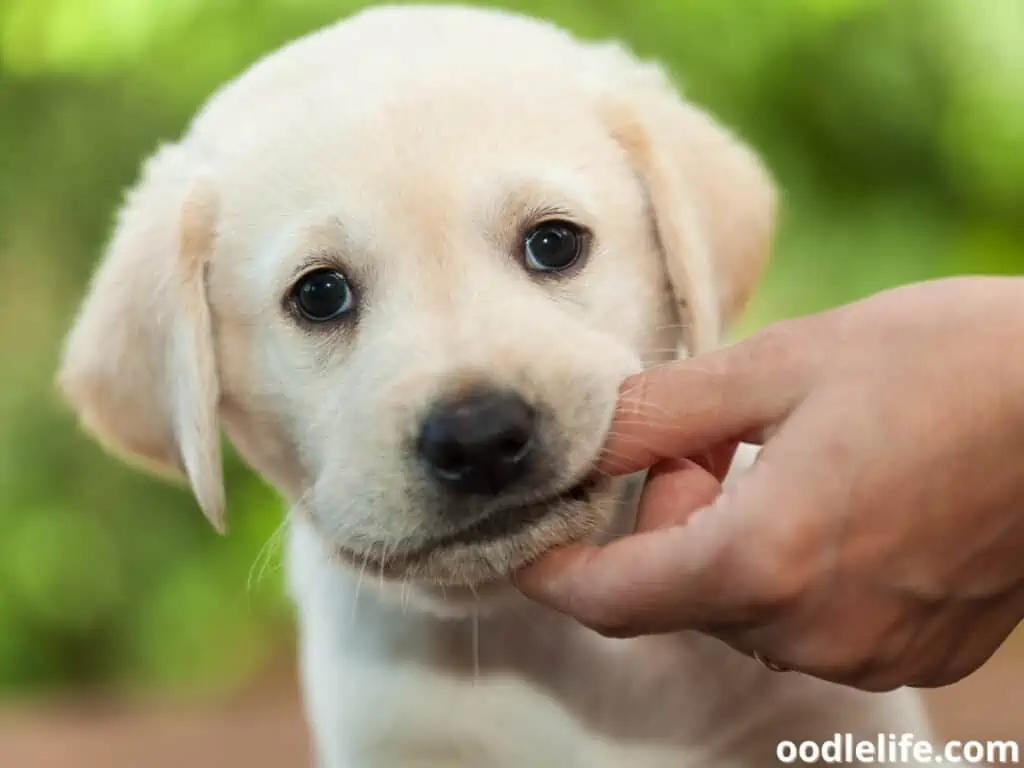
(689, 406)
(725, 566)
(718, 459)
(675, 490)
(656, 580)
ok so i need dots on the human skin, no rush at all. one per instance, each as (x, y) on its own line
(876, 542)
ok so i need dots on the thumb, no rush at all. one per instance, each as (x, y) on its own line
(655, 580)
(691, 564)
(690, 406)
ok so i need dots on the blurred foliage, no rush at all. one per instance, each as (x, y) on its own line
(896, 128)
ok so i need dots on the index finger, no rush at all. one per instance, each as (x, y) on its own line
(690, 406)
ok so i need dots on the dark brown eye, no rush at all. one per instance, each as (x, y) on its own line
(553, 246)
(323, 295)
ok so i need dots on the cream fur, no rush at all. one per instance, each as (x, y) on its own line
(409, 146)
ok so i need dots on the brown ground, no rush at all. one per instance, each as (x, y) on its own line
(265, 730)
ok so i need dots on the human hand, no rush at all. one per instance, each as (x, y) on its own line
(878, 539)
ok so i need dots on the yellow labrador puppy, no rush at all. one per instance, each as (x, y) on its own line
(405, 263)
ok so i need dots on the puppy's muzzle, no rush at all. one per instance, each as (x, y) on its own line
(480, 443)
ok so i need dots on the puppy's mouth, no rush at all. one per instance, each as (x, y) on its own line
(505, 522)
(502, 524)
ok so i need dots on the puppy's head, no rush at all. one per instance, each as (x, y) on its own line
(406, 263)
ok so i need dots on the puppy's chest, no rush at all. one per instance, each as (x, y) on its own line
(572, 701)
(496, 724)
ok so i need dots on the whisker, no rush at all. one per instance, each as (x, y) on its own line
(676, 326)
(381, 562)
(665, 350)
(619, 434)
(404, 594)
(625, 437)
(261, 563)
(359, 585)
(476, 642)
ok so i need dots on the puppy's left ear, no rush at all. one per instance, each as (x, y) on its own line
(712, 201)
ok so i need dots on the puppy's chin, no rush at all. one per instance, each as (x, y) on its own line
(465, 576)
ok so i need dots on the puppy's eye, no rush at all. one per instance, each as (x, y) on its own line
(553, 246)
(323, 295)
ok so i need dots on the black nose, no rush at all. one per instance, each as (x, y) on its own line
(478, 444)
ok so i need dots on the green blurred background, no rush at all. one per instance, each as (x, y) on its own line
(895, 127)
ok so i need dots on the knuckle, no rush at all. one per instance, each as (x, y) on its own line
(857, 666)
(832, 655)
(785, 566)
(778, 583)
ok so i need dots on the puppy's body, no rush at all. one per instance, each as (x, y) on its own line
(406, 263)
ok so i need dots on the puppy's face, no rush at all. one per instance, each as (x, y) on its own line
(439, 327)
(410, 295)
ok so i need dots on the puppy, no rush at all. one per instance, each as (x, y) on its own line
(405, 263)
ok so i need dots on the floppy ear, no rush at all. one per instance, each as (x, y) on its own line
(713, 202)
(138, 364)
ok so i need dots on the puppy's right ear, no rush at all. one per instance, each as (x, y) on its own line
(713, 202)
(139, 365)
